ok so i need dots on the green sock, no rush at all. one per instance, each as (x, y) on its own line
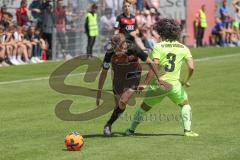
(138, 117)
(186, 114)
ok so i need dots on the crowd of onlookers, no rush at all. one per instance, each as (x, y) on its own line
(22, 40)
(26, 35)
(226, 31)
(146, 13)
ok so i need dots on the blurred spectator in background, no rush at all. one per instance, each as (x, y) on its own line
(154, 15)
(140, 5)
(218, 33)
(71, 27)
(21, 13)
(141, 19)
(225, 14)
(184, 35)
(2, 11)
(148, 18)
(36, 11)
(71, 18)
(148, 38)
(7, 20)
(115, 5)
(107, 22)
(38, 44)
(195, 27)
(2, 47)
(202, 25)
(236, 4)
(91, 29)
(126, 23)
(152, 4)
(236, 22)
(75, 5)
(60, 15)
(47, 26)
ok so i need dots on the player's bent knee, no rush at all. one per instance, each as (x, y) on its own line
(122, 104)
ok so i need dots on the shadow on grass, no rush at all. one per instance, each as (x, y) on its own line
(122, 135)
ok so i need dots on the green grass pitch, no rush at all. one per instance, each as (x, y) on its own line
(30, 129)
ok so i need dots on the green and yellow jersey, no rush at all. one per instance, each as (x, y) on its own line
(170, 56)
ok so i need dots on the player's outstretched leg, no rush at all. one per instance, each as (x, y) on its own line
(186, 115)
(138, 118)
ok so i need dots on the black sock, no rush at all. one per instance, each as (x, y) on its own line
(115, 115)
(1, 59)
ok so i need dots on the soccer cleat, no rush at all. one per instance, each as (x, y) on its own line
(129, 132)
(190, 134)
(107, 130)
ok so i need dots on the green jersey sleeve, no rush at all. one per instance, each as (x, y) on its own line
(188, 53)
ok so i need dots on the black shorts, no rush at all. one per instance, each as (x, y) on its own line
(130, 81)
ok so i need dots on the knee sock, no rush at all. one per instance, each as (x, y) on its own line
(138, 117)
(115, 115)
(186, 115)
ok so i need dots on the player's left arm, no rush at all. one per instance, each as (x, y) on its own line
(190, 65)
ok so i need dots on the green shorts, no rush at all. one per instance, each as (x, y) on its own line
(155, 95)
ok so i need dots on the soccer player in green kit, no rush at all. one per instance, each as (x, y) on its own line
(169, 55)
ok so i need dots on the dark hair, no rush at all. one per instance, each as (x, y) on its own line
(117, 39)
(168, 29)
(94, 6)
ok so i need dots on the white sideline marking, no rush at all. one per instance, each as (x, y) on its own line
(217, 57)
(80, 74)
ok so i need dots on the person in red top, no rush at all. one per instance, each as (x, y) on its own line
(2, 11)
(21, 13)
(60, 14)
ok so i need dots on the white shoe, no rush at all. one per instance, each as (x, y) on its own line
(33, 60)
(20, 61)
(14, 61)
(28, 62)
(5, 64)
(36, 59)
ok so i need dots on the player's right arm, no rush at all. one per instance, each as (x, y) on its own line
(153, 69)
(103, 75)
(190, 65)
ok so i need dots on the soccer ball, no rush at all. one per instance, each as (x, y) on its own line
(74, 141)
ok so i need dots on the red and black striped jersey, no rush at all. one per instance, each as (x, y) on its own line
(126, 25)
